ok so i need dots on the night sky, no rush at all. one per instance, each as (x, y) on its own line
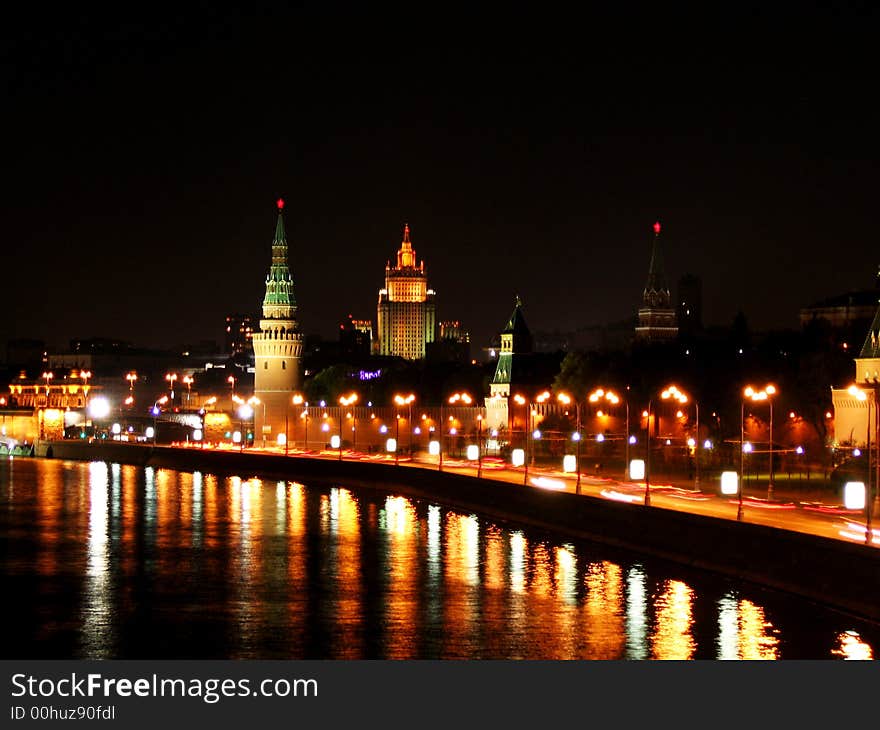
(530, 155)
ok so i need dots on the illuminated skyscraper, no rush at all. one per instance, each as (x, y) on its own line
(406, 312)
(277, 346)
(656, 315)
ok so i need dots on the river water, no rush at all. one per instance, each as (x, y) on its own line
(108, 561)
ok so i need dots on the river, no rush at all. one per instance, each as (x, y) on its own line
(108, 561)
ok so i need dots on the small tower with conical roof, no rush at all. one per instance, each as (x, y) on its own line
(657, 321)
(406, 313)
(516, 343)
(277, 346)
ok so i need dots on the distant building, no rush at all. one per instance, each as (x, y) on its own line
(277, 346)
(356, 336)
(689, 306)
(406, 316)
(846, 316)
(26, 353)
(239, 333)
(453, 344)
(656, 316)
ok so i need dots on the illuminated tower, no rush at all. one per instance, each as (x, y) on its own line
(406, 314)
(516, 345)
(656, 315)
(277, 346)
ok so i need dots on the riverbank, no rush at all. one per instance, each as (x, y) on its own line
(831, 572)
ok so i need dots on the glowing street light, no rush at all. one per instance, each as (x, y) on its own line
(344, 402)
(406, 400)
(171, 377)
(760, 396)
(566, 400)
(296, 400)
(867, 488)
(673, 393)
(188, 381)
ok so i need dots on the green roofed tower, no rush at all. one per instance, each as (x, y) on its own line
(277, 346)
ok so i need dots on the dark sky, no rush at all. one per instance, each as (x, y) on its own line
(530, 155)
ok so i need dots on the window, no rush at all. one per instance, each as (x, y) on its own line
(265, 365)
(284, 364)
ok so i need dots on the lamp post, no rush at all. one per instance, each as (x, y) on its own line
(254, 401)
(188, 381)
(131, 378)
(520, 400)
(84, 376)
(171, 377)
(742, 457)
(346, 401)
(566, 399)
(540, 399)
(405, 400)
(609, 396)
(296, 400)
(673, 393)
(758, 396)
(479, 445)
(231, 381)
(862, 396)
(245, 411)
(648, 455)
(456, 398)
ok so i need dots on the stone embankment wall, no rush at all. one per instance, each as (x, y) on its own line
(831, 572)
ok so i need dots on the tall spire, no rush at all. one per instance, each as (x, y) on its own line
(279, 302)
(656, 292)
(406, 256)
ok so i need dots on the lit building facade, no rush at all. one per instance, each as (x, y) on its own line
(406, 316)
(657, 321)
(850, 413)
(239, 332)
(277, 346)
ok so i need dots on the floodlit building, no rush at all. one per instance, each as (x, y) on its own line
(406, 316)
(657, 322)
(852, 408)
(516, 347)
(277, 346)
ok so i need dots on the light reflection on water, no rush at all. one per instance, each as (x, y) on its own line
(111, 561)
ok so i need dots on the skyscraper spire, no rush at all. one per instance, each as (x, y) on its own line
(406, 256)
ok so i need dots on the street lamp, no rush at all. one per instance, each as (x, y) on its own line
(454, 399)
(540, 399)
(405, 401)
(188, 381)
(862, 396)
(297, 400)
(673, 393)
(131, 377)
(346, 401)
(566, 399)
(758, 396)
(171, 377)
(612, 398)
(84, 376)
(521, 401)
(245, 411)
(231, 381)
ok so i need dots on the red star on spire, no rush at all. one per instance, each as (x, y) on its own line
(280, 204)
(657, 228)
